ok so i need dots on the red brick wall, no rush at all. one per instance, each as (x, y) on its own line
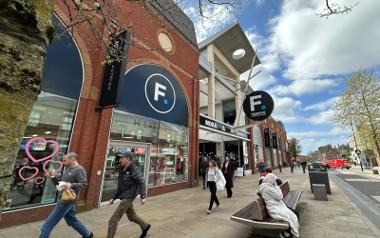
(274, 127)
(91, 129)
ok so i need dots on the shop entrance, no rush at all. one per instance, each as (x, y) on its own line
(110, 175)
(207, 149)
(234, 149)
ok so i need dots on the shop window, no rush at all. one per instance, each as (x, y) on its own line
(229, 112)
(52, 118)
(169, 164)
(168, 143)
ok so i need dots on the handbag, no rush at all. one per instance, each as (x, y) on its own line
(220, 181)
(68, 195)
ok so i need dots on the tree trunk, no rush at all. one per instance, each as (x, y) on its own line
(25, 33)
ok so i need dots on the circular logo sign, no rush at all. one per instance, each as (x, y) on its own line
(160, 93)
(258, 105)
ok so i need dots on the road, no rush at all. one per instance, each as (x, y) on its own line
(363, 190)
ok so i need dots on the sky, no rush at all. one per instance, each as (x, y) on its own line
(305, 59)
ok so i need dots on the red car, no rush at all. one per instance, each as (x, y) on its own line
(338, 163)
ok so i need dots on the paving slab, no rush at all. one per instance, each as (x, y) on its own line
(183, 214)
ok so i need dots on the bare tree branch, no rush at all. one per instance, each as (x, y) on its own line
(335, 9)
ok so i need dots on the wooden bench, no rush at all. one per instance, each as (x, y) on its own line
(256, 215)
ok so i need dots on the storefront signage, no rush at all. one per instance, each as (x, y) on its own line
(204, 121)
(258, 105)
(114, 70)
(160, 93)
(266, 137)
(274, 140)
(150, 90)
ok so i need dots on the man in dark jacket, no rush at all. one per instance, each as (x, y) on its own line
(228, 170)
(304, 165)
(130, 184)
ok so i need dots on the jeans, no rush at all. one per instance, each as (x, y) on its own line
(214, 198)
(125, 207)
(66, 211)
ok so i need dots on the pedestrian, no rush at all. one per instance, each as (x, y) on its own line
(228, 170)
(262, 167)
(202, 169)
(269, 171)
(130, 184)
(292, 166)
(73, 179)
(215, 181)
(304, 164)
(276, 208)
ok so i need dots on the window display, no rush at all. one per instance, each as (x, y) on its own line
(50, 123)
(31, 186)
(168, 145)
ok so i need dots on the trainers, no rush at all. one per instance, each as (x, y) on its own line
(145, 231)
(208, 211)
(90, 236)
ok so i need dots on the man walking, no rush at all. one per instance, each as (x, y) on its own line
(130, 184)
(262, 167)
(74, 177)
(304, 164)
(228, 170)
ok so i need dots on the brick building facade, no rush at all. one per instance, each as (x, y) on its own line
(269, 143)
(92, 128)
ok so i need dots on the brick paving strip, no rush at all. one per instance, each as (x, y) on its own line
(183, 214)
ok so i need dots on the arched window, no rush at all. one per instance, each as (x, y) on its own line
(52, 118)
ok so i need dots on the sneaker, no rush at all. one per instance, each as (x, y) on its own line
(217, 206)
(145, 231)
(90, 236)
(208, 211)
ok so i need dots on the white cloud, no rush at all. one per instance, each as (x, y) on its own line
(285, 109)
(311, 140)
(322, 105)
(310, 46)
(323, 117)
(302, 87)
(261, 81)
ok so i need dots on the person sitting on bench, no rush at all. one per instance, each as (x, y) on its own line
(268, 171)
(276, 208)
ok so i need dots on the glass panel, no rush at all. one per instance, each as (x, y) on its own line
(169, 161)
(229, 112)
(52, 118)
(168, 145)
(112, 166)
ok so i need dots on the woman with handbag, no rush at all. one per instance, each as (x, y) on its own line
(69, 184)
(216, 182)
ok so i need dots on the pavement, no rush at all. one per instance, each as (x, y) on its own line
(183, 214)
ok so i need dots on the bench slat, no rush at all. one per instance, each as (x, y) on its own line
(256, 215)
(266, 224)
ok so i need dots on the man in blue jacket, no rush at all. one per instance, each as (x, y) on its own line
(130, 184)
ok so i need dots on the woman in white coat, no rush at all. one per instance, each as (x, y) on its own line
(216, 182)
(276, 208)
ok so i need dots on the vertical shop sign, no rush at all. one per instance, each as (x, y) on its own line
(114, 69)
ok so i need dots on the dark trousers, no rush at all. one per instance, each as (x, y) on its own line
(125, 207)
(229, 190)
(214, 198)
(204, 180)
(304, 168)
